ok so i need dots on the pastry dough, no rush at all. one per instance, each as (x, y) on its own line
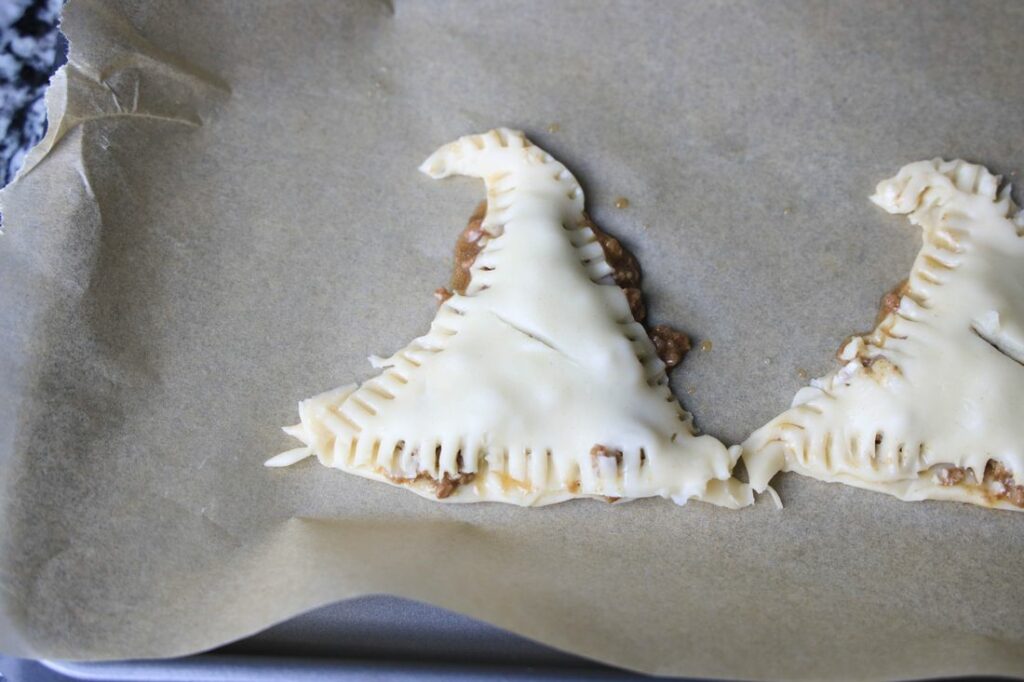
(931, 404)
(536, 385)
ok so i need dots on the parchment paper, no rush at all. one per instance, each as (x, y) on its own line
(226, 218)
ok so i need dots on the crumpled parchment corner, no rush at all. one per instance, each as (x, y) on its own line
(113, 72)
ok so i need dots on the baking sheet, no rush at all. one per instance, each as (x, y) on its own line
(226, 217)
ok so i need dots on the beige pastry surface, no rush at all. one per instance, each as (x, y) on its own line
(930, 405)
(535, 384)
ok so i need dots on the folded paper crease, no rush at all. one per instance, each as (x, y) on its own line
(118, 73)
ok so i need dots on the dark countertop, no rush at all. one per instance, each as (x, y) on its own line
(31, 49)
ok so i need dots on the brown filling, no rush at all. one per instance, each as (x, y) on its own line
(447, 485)
(442, 489)
(891, 301)
(467, 248)
(625, 268)
(605, 451)
(995, 473)
(671, 344)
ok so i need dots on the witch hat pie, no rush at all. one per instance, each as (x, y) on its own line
(931, 404)
(535, 384)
